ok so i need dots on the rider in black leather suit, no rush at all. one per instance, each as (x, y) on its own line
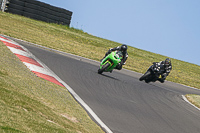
(166, 66)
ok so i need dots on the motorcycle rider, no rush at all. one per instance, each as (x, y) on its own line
(164, 66)
(123, 48)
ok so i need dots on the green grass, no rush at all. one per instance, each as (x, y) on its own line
(68, 40)
(194, 99)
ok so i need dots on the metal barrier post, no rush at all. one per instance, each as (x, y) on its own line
(3, 5)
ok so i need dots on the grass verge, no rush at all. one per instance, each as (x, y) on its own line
(194, 99)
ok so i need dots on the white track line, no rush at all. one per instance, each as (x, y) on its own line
(190, 102)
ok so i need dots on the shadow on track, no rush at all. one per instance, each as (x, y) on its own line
(109, 77)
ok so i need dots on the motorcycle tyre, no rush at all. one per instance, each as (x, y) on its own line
(147, 81)
(100, 71)
(145, 76)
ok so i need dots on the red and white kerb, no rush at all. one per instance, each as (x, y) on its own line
(30, 61)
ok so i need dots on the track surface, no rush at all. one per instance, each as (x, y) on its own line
(121, 101)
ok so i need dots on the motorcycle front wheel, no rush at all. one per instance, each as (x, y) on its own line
(145, 75)
(104, 67)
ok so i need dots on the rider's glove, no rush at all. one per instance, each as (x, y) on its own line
(119, 64)
(156, 69)
(110, 50)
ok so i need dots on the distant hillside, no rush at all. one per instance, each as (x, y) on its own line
(78, 42)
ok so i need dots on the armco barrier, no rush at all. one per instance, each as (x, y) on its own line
(39, 11)
(16, 11)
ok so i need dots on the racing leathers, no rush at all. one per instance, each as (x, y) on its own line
(164, 68)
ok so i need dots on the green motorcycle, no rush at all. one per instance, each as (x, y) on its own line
(110, 62)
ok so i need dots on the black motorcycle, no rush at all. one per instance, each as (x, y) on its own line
(153, 73)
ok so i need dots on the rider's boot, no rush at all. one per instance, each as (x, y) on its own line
(161, 80)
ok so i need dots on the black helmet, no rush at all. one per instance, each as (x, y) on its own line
(124, 47)
(167, 62)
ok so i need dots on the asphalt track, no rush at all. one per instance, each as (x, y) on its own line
(121, 101)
